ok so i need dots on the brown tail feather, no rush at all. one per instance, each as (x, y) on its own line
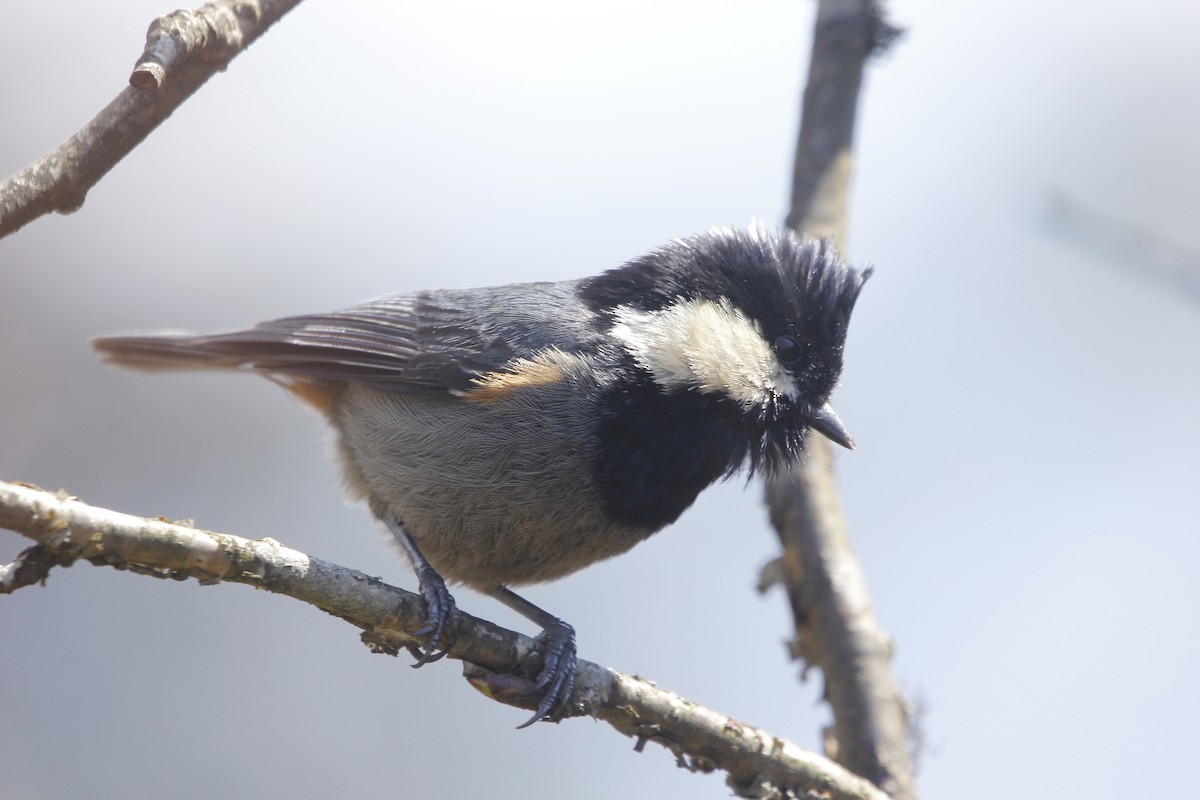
(164, 351)
(181, 351)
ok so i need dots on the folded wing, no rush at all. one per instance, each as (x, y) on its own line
(429, 341)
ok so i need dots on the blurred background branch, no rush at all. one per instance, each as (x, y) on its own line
(834, 627)
(1138, 250)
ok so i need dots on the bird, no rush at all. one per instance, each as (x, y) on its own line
(514, 434)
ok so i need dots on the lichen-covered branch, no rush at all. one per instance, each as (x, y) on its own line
(183, 50)
(500, 662)
(835, 629)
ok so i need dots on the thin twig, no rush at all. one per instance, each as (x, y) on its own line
(183, 50)
(835, 629)
(66, 530)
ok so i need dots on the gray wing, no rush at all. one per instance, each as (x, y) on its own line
(435, 340)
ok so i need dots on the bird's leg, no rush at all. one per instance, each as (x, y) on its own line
(441, 615)
(557, 678)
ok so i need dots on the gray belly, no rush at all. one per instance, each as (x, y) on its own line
(494, 494)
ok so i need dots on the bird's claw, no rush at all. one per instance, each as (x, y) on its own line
(556, 681)
(441, 618)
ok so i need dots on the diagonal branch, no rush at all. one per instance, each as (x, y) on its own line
(502, 663)
(835, 629)
(183, 50)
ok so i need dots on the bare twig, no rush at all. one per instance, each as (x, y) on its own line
(183, 50)
(835, 629)
(66, 530)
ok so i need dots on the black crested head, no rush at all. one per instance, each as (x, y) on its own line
(734, 344)
(796, 291)
(730, 259)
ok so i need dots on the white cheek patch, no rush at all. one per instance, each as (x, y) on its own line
(706, 345)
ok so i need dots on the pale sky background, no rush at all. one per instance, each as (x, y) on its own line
(1024, 497)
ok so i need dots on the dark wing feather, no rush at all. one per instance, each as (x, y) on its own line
(402, 343)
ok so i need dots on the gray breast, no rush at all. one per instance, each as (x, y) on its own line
(496, 493)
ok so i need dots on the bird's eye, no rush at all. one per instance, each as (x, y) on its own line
(787, 349)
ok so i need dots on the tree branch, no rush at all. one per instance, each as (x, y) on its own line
(835, 629)
(183, 50)
(502, 663)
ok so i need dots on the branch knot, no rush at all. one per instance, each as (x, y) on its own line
(212, 32)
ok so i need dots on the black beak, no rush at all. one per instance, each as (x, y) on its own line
(826, 422)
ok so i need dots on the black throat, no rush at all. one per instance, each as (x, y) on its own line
(659, 451)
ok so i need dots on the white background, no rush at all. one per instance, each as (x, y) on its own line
(1024, 498)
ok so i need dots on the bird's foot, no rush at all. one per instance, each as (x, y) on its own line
(441, 618)
(556, 681)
